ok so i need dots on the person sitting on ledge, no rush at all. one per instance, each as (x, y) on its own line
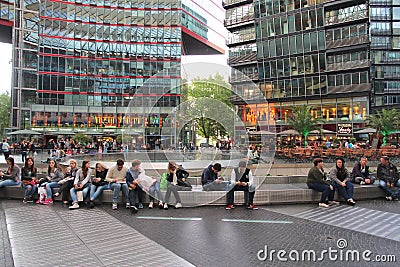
(340, 177)
(176, 182)
(242, 180)
(12, 175)
(360, 174)
(116, 176)
(210, 180)
(388, 178)
(316, 180)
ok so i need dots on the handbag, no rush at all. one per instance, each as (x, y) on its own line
(42, 193)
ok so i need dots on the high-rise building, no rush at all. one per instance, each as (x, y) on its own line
(83, 65)
(340, 57)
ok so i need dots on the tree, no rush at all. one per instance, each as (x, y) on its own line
(210, 107)
(302, 121)
(4, 112)
(81, 138)
(385, 122)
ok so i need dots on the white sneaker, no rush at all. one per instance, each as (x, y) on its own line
(128, 205)
(178, 206)
(151, 204)
(114, 206)
(323, 205)
(362, 183)
(165, 206)
(389, 198)
(74, 206)
(56, 194)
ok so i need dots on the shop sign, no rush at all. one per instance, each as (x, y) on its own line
(345, 128)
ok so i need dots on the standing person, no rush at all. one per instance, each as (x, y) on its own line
(68, 181)
(340, 177)
(99, 183)
(28, 177)
(176, 182)
(317, 181)
(210, 180)
(388, 178)
(82, 183)
(12, 176)
(6, 149)
(116, 176)
(242, 180)
(54, 175)
(24, 150)
(360, 173)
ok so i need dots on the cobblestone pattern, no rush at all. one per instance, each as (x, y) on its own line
(5, 247)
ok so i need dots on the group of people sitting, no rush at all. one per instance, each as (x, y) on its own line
(341, 179)
(83, 183)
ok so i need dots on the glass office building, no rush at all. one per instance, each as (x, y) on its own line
(83, 65)
(340, 57)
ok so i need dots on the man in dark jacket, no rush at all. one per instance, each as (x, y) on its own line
(360, 173)
(388, 178)
(316, 180)
(210, 180)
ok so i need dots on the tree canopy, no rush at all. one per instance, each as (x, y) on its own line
(385, 122)
(4, 113)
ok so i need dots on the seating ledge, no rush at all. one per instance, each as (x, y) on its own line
(292, 193)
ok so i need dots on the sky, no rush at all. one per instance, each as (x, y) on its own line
(193, 66)
(5, 67)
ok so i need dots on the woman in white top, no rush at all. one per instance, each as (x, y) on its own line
(82, 183)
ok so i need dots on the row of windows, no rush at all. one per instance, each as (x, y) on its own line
(129, 3)
(6, 11)
(347, 57)
(387, 100)
(382, 87)
(346, 32)
(346, 14)
(108, 49)
(242, 35)
(295, 44)
(110, 33)
(348, 79)
(309, 64)
(239, 14)
(385, 56)
(309, 19)
(382, 72)
(270, 7)
(242, 50)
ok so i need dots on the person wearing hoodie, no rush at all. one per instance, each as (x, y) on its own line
(340, 178)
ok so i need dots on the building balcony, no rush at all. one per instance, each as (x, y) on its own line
(234, 3)
(241, 40)
(347, 42)
(237, 21)
(356, 64)
(354, 17)
(243, 77)
(242, 60)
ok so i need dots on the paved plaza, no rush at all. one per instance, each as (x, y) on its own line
(37, 235)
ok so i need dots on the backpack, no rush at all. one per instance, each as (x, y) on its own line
(164, 181)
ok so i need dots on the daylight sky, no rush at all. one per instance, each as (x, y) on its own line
(5, 68)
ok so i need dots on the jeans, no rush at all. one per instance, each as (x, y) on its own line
(359, 179)
(95, 191)
(325, 189)
(132, 195)
(24, 154)
(65, 189)
(6, 154)
(156, 188)
(345, 191)
(116, 187)
(214, 186)
(8, 182)
(250, 190)
(29, 190)
(85, 191)
(388, 191)
(174, 189)
(49, 186)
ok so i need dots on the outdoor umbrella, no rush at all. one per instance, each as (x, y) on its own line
(323, 132)
(24, 132)
(366, 131)
(288, 132)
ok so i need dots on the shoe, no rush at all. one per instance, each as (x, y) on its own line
(74, 206)
(151, 204)
(128, 205)
(252, 206)
(389, 198)
(91, 205)
(332, 202)
(160, 205)
(178, 206)
(56, 194)
(65, 202)
(134, 209)
(229, 207)
(165, 206)
(48, 201)
(25, 200)
(38, 201)
(362, 183)
(323, 205)
(351, 202)
(29, 200)
(140, 206)
(114, 206)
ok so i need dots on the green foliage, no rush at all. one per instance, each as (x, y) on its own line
(302, 120)
(352, 140)
(4, 113)
(81, 138)
(385, 122)
(210, 106)
(123, 139)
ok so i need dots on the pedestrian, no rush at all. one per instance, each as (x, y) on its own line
(6, 149)
(388, 176)
(99, 183)
(54, 175)
(116, 176)
(28, 178)
(82, 183)
(360, 173)
(340, 178)
(176, 177)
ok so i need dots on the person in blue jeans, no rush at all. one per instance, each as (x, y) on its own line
(82, 182)
(54, 175)
(99, 183)
(317, 181)
(116, 175)
(11, 176)
(340, 178)
(28, 177)
(388, 178)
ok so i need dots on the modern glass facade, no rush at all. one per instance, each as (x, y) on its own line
(337, 56)
(83, 65)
